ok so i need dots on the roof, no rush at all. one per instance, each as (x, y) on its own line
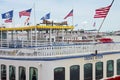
(26, 28)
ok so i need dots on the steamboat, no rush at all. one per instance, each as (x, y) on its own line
(57, 53)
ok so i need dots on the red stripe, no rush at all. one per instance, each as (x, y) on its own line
(7, 21)
(99, 16)
(101, 12)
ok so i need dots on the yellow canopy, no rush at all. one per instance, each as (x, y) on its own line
(33, 27)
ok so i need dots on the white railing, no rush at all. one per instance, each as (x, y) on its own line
(21, 43)
(63, 50)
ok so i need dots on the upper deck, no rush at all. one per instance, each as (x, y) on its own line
(61, 50)
(49, 41)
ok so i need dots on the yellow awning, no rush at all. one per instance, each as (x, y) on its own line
(33, 27)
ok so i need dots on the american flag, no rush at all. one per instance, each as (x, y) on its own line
(25, 13)
(102, 12)
(69, 14)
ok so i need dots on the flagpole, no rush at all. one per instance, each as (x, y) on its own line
(34, 14)
(101, 24)
(35, 26)
(104, 18)
(73, 20)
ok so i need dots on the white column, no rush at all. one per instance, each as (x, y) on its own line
(40, 71)
(67, 73)
(7, 40)
(35, 36)
(104, 69)
(50, 34)
(27, 72)
(62, 36)
(27, 38)
(31, 37)
(82, 72)
(22, 38)
(15, 38)
(115, 67)
(93, 71)
(1, 38)
(7, 72)
(17, 73)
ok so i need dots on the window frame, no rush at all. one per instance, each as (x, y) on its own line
(12, 73)
(2, 72)
(75, 73)
(110, 73)
(98, 64)
(88, 71)
(62, 73)
(34, 73)
(19, 73)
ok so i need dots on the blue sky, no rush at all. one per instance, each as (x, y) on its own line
(84, 11)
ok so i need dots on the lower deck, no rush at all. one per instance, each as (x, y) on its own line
(73, 68)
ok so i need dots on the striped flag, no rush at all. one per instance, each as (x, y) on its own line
(69, 14)
(27, 21)
(25, 13)
(102, 12)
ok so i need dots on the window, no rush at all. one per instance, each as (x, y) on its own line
(74, 72)
(59, 73)
(118, 67)
(99, 70)
(33, 73)
(88, 71)
(3, 72)
(22, 73)
(110, 68)
(12, 72)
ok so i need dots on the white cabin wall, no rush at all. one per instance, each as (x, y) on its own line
(46, 68)
(50, 66)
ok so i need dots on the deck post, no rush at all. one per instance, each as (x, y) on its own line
(22, 38)
(27, 38)
(7, 40)
(50, 36)
(31, 37)
(1, 38)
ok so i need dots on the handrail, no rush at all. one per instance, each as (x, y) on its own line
(64, 50)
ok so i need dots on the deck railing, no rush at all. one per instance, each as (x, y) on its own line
(61, 50)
